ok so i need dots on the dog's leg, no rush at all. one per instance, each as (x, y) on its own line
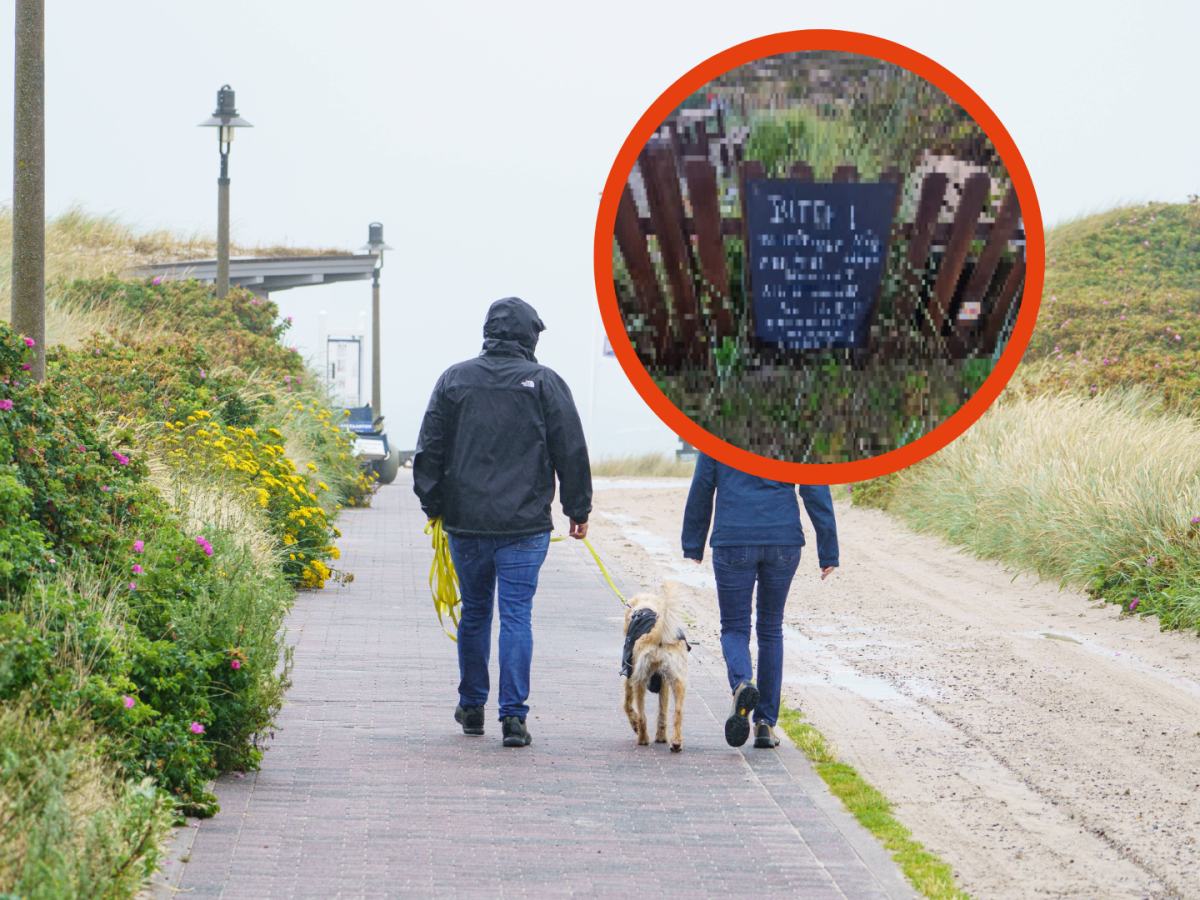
(679, 686)
(629, 710)
(660, 731)
(640, 696)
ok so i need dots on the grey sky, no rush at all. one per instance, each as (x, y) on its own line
(481, 135)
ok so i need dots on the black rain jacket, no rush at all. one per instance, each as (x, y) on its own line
(497, 429)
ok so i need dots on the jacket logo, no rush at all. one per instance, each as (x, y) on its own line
(528, 384)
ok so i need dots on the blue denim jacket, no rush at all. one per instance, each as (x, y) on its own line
(753, 511)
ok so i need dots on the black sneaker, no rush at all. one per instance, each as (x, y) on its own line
(470, 718)
(737, 726)
(764, 737)
(515, 732)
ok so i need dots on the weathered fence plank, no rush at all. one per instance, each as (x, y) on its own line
(645, 282)
(710, 245)
(974, 193)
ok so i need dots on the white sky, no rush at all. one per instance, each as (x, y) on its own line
(481, 135)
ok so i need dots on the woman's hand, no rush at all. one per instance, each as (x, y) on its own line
(827, 571)
(578, 530)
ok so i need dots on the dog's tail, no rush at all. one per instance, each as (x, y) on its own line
(671, 618)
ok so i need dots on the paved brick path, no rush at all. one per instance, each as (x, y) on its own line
(371, 790)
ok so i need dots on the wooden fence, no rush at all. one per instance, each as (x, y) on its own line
(960, 300)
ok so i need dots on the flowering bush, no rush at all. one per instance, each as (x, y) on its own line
(258, 464)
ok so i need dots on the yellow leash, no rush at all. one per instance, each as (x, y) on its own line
(443, 580)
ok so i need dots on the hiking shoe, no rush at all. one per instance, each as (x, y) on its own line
(470, 718)
(737, 726)
(764, 737)
(515, 732)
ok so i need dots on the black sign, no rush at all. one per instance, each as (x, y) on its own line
(816, 256)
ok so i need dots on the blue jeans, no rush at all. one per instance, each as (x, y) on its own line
(736, 570)
(482, 564)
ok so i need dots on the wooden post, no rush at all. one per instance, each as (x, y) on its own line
(974, 192)
(985, 268)
(29, 182)
(751, 168)
(666, 215)
(845, 175)
(632, 244)
(710, 245)
(995, 320)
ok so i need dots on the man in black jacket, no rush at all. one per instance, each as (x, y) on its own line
(497, 429)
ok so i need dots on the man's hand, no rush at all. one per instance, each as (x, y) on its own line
(827, 571)
(578, 530)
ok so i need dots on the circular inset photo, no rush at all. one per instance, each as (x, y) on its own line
(818, 258)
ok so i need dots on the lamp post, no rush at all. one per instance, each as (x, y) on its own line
(375, 246)
(225, 119)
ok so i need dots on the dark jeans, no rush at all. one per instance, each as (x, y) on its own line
(483, 564)
(736, 569)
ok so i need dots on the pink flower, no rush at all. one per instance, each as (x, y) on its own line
(81, 448)
(139, 546)
(235, 664)
(1195, 520)
(157, 280)
(177, 559)
(197, 728)
(25, 367)
(30, 342)
(129, 701)
(202, 375)
(287, 379)
(121, 458)
(1133, 605)
(5, 404)
(104, 487)
(137, 569)
(133, 585)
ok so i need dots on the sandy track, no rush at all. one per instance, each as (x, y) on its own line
(1043, 746)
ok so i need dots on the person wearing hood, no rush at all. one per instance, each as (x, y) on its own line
(497, 431)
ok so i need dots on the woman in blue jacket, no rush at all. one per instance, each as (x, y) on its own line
(756, 536)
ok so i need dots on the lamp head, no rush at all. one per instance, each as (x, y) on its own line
(375, 242)
(225, 116)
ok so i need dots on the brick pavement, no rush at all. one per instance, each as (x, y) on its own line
(371, 790)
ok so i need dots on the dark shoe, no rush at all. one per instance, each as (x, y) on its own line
(764, 737)
(737, 726)
(470, 718)
(515, 732)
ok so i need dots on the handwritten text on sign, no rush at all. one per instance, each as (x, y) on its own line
(817, 253)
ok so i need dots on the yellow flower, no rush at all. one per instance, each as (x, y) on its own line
(335, 553)
(322, 485)
(312, 467)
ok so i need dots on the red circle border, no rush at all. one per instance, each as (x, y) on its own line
(1035, 252)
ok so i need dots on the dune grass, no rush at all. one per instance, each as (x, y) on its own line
(928, 873)
(1100, 492)
(655, 465)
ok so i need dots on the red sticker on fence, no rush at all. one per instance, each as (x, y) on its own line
(819, 257)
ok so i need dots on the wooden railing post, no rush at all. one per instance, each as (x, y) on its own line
(710, 245)
(632, 244)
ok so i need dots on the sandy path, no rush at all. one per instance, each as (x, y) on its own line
(1041, 745)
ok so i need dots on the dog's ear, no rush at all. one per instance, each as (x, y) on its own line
(628, 613)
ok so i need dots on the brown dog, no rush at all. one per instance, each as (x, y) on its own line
(659, 657)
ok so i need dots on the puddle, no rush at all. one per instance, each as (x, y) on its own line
(1122, 657)
(833, 671)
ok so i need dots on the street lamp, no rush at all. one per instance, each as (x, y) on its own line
(375, 246)
(225, 119)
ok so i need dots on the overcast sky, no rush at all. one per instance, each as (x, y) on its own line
(481, 135)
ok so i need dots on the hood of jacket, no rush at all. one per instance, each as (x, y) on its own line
(512, 328)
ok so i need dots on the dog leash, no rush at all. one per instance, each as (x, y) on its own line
(603, 571)
(443, 580)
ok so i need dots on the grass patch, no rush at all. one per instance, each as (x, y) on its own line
(655, 465)
(924, 870)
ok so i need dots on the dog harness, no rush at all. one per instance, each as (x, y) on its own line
(640, 624)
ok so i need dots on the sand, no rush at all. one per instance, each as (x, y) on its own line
(1042, 744)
